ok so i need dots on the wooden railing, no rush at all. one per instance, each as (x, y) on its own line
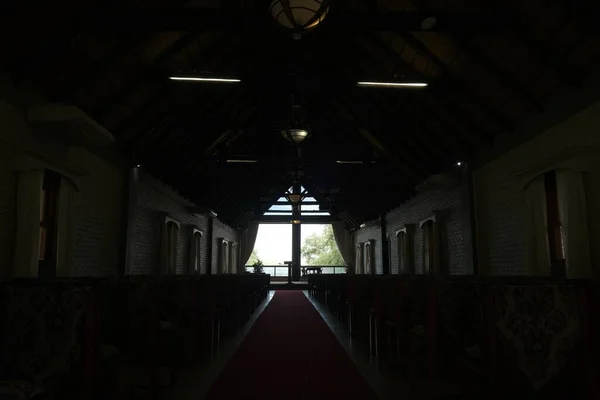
(282, 270)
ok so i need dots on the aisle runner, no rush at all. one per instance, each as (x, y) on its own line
(290, 353)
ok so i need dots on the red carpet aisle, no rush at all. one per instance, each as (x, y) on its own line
(290, 353)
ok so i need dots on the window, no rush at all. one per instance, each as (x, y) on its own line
(223, 256)
(556, 234)
(369, 259)
(360, 268)
(195, 252)
(429, 245)
(49, 224)
(169, 245)
(233, 258)
(404, 252)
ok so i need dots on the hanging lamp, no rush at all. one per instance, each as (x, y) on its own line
(298, 129)
(299, 15)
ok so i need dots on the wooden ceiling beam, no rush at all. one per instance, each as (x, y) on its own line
(452, 78)
(568, 73)
(500, 75)
(464, 118)
(177, 94)
(408, 175)
(143, 73)
(124, 19)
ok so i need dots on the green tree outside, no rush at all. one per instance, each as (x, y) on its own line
(253, 258)
(322, 249)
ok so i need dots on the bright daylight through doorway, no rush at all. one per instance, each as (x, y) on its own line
(274, 247)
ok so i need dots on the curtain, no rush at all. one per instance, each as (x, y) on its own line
(64, 243)
(573, 215)
(345, 242)
(224, 268)
(359, 269)
(233, 259)
(27, 244)
(169, 248)
(368, 267)
(537, 252)
(247, 242)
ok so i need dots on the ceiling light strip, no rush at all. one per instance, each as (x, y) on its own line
(198, 79)
(394, 84)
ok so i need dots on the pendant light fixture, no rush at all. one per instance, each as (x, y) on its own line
(299, 15)
(298, 129)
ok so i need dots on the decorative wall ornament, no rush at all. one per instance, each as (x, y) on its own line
(541, 325)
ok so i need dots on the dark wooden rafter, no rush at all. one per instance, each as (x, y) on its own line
(452, 79)
(144, 72)
(566, 72)
(364, 131)
(437, 97)
(150, 19)
(507, 81)
(175, 94)
(376, 103)
(84, 76)
(415, 112)
(501, 76)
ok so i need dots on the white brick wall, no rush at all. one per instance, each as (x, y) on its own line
(220, 230)
(372, 233)
(153, 199)
(498, 185)
(98, 213)
(97, 206)
(420, 208)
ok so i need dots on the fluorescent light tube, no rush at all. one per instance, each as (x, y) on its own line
(197, 79)
(394, 84)
(242, 161)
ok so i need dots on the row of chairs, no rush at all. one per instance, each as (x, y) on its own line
(116, 338)
(466, 335)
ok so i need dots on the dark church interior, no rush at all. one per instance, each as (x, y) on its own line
(449, 151)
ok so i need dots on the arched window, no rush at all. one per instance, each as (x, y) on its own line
(432, 263)
(360, 266)
(369, 248)
(405, 259)
(233, 258)
(195, 252)
(223, 256)
(169, 246)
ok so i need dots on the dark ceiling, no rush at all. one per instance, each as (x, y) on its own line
(489, 65)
